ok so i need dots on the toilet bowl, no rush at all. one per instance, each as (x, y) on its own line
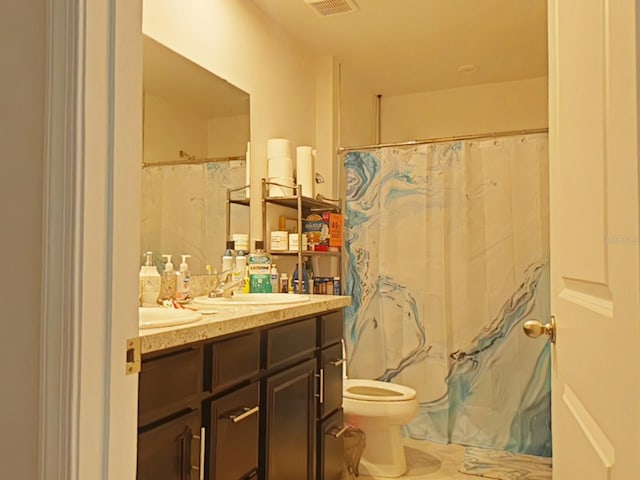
(379, 409)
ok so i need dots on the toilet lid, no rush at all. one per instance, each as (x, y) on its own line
(376, 391)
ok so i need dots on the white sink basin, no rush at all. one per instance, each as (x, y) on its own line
(158, 317)
(253, 299)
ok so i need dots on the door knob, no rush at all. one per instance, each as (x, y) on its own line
(534, 328)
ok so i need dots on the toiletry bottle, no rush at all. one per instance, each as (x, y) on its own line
(149, 282)
(168, 281)
(284, 283)
(274, 278)
(229, 257)
(259, 270)
(310, 277)
(239, 269)
(183, 289)
(305, 280)
(245, 285)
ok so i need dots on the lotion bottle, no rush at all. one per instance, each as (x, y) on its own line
(149, 282)
(183, 288)
(168, 282)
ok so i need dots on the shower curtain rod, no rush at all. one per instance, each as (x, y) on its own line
(193, 161)
(445, 139)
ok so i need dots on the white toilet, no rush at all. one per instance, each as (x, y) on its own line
(379, 409)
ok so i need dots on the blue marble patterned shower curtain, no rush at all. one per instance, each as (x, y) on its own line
(447, 256)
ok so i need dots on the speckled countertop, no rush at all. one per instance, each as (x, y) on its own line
(228, 320)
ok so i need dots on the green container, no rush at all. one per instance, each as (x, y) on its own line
(259, 270)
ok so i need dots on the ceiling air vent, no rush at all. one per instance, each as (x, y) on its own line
(326, 8)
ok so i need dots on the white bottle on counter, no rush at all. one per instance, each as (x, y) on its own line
(149, 282)
(274, 278)
(183, 288)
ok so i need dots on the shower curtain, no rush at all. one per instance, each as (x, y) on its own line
(184, 210)
(447, 256)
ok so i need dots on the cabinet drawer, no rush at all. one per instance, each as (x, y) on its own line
(290, 342)
(171, 451)
(331, 328)
(168, 384)
(331, 364)
(331, 452)
(235, 434)
(235, 360)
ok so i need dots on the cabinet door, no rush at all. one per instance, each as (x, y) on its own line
(331, 379)
(291, 424)
(169, 383)
(235, 434)
(331, 447)
(171, 451)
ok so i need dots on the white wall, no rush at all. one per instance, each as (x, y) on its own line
(228, 136)
(326, 134)
(357, 110)
(234, 40)
(168, 128)
(486, 108)
(22, 88)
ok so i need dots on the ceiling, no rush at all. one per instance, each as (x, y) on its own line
(408, 46)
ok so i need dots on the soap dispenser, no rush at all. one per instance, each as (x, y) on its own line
(168, 282)
(183, 288)
(149, 282)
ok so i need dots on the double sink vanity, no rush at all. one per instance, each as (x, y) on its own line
(244, 388)
(251, 389)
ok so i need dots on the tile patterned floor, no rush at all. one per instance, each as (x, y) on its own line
(431, 461)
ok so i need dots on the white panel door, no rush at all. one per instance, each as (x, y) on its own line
(594, 239)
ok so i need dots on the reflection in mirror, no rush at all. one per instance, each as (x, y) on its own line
(195, 137)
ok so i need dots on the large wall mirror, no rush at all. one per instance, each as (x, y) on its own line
(196, 133)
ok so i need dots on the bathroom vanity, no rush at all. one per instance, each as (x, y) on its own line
(251, 392)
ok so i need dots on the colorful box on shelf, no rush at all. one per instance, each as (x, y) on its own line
(324, 231)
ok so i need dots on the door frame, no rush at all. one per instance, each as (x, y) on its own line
(93, 137)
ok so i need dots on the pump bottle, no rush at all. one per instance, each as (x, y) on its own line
(149, 282)
(168, 282)
(183, 287)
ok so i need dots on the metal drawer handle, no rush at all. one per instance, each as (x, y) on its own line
(185, 440)
(321, 386)
(247, 412)
(337, 363)
(198, 467)
(338, 432)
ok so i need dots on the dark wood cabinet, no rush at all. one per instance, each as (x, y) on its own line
(169, 382)
(331, 447)
(263, 403)
(171, 450)
(331, 385)
(290, 423)
(234, 434)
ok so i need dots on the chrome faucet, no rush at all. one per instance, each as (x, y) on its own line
(225, 285)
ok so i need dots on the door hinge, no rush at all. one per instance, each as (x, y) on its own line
(133, 356)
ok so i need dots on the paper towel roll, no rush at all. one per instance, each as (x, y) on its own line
(278, 147)
(284, 187)
(304, 170)
(279, 167)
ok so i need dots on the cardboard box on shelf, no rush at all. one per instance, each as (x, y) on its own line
(324, 231)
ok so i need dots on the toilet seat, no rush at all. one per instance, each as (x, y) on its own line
(376, 391)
